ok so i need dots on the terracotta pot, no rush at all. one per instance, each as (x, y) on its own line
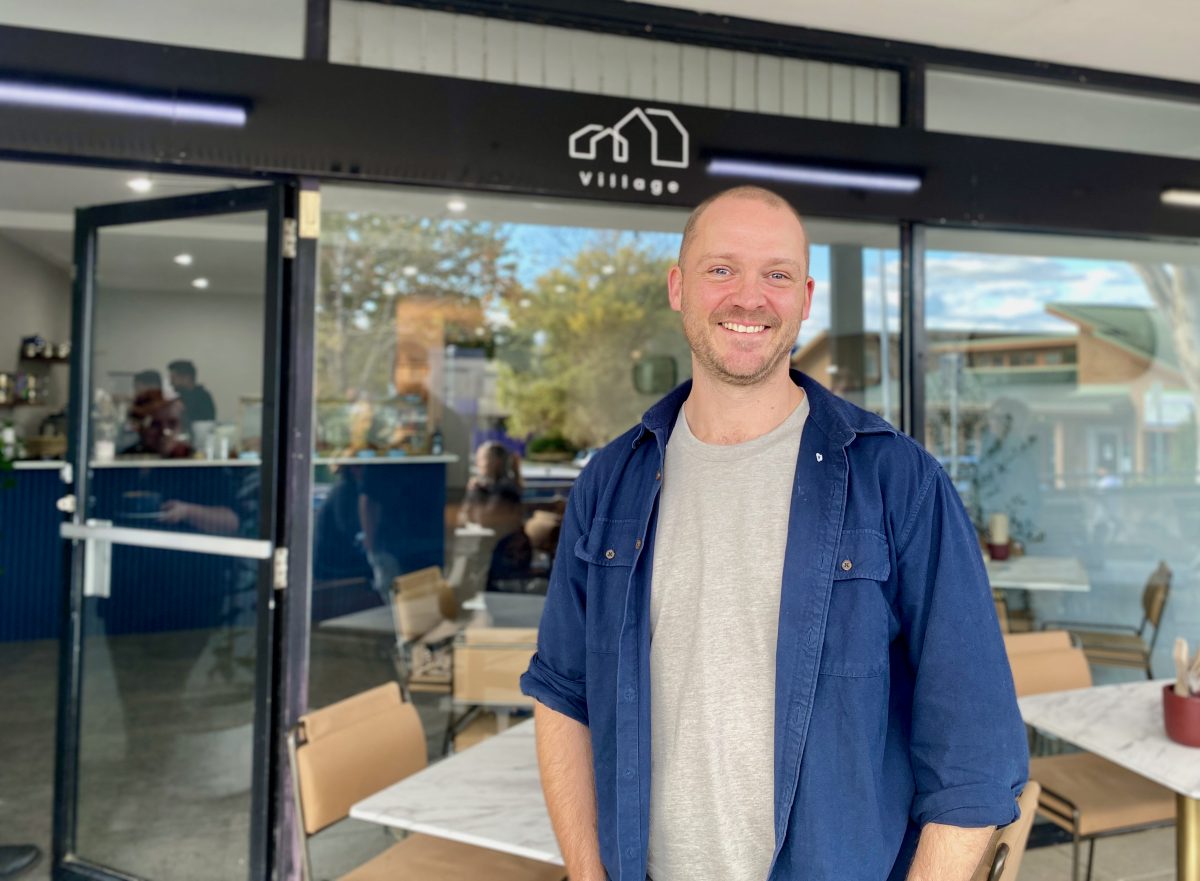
(1181, 717)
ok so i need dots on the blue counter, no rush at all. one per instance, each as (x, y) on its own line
(156, 590)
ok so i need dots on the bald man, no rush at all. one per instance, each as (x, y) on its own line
(769, 648)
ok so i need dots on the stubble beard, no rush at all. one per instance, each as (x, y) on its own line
(696, 330)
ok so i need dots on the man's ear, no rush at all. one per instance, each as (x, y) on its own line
(675, 287)
(809, 286)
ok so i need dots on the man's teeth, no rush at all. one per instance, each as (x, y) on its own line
(743, 328)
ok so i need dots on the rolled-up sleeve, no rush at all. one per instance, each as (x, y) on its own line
(968, 745)
(556, 674)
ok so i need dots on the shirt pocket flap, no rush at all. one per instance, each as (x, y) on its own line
(863, 553)
(610, 543)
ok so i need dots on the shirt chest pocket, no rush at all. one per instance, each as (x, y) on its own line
(857, 632)
(610, 548)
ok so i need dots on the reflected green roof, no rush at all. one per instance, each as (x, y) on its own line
(1142, 331)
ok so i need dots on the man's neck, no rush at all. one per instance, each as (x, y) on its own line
(721, 413)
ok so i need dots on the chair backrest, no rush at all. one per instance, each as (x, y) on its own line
(1037, 641)
(1040, 672)
(1154, 598)
(346, 751)
(1002, 860)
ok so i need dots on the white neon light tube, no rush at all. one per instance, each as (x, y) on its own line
(816, 176)
(1181, 198)
(89, 100)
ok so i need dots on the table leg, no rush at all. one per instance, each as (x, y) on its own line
(1187, 838)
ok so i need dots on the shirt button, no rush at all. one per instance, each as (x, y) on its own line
(658, 474)
(629, 852)
(630, 694)
(638, 544)
(847, 565)
(609, 554)
(629, 773)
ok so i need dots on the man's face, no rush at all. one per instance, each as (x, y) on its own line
(743, 290)
(180, 381)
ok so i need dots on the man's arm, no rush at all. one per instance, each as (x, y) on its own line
(948, 853)
(564, 749)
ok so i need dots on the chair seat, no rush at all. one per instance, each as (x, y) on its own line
(1109, 798)
(422, 857)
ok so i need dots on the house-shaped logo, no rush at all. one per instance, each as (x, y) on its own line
(668, 138)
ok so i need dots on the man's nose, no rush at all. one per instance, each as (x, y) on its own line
(748, 294)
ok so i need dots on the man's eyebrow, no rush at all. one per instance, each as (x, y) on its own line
(774, 261)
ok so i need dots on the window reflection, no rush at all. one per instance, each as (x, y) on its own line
(1060, 395)
(469, 364)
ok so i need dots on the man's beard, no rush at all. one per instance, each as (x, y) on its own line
(696, 331)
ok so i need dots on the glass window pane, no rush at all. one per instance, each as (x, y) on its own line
(470, 361)
(1061, 393)
(1031, 111)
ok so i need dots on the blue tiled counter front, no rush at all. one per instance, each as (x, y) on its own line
(156, 590)
(30, 553)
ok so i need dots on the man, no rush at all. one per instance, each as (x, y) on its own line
(156, 420)
(198, 404)
(769, 649)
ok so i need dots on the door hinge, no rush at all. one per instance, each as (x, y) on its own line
(280, 559)
(290, 233)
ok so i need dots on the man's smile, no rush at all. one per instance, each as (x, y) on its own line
(743, 328)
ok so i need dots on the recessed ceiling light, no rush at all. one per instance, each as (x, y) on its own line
(183, 259)
(409, 271)
(1181, 198)
(201, 283)
(141, 184)
(457, 205)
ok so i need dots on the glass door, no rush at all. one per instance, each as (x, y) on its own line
(164, 740)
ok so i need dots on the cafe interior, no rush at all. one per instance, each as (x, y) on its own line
(286, 448)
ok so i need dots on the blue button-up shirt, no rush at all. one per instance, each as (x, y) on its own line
(894, 704)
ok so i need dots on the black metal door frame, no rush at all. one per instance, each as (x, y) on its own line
(285, 466)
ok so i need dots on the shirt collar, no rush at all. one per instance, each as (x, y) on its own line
(838, 418)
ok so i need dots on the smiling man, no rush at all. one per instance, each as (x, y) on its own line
(769, 649)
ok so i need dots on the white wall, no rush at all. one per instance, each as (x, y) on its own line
(35, 297)
(221, 334)
(263, 27)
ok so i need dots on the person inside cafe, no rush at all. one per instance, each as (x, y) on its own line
(156, 420)
(769, 649)
(198, 404)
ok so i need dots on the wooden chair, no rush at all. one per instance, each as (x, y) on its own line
(1036, 641)
(1086, 795)
(1002, 860)
(1123, 645)
(344, 752)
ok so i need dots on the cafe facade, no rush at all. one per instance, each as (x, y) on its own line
(404, 244)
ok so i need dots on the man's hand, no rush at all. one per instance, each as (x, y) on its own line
(565, 760)
(948, 853)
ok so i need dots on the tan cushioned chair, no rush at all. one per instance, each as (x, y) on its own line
(349, 750)
(1036, 641)
(1088, 796)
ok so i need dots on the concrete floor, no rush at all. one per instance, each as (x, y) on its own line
(153, 803)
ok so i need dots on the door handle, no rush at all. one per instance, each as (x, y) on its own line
(66, 503)
(97, 563)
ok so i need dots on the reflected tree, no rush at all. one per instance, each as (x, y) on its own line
(1175, 291)
(368, 262)
(573, 338)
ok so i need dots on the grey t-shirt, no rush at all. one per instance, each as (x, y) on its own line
(714, 619)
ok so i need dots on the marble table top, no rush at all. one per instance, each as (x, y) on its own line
(1122, 723)
(1039, 573)
(489, 795)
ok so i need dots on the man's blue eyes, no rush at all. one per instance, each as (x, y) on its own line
(774, 276)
